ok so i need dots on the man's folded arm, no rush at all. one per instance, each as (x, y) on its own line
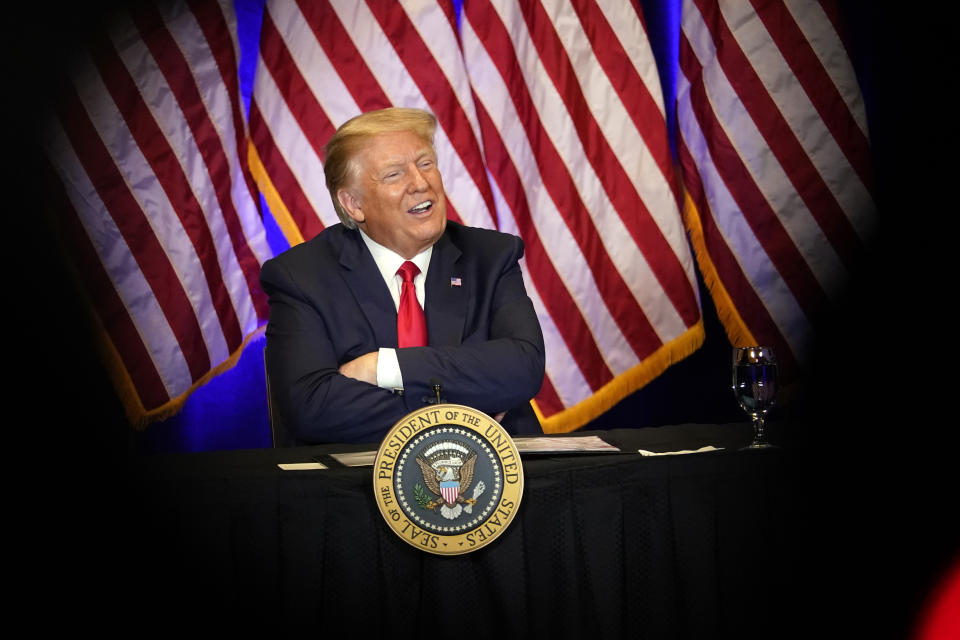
(493, 374)
(316, 402)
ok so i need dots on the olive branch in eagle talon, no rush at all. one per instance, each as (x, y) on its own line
(420, 495)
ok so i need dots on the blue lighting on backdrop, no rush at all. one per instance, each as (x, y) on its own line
(230, 411)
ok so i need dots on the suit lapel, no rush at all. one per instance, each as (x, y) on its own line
(369, 290)
(446, 304)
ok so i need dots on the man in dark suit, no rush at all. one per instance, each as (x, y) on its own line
(345, 319)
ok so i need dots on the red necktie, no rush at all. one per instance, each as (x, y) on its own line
(411, 323)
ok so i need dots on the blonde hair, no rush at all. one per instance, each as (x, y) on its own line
(342, 148)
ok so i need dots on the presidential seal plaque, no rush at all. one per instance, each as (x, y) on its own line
(448, 479)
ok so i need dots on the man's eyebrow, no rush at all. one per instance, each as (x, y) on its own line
(392, 163)
(389, 164)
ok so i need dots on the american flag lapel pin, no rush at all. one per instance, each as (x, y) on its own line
(456, 282)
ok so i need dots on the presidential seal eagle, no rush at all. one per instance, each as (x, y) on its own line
(448, 473)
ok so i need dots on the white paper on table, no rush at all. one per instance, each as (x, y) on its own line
(644, 452)
(301, 466)
(357, 459)
(564, 444)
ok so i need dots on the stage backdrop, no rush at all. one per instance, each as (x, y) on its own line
(188, 149)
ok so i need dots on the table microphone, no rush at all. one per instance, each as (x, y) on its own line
(435, 384)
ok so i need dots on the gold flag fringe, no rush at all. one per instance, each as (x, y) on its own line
(137, 415)
(621, 386)
(276, 204)
(730, 318)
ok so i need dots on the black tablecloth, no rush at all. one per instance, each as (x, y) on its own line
(610, 545)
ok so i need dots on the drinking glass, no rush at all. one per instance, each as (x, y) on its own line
(755, 385)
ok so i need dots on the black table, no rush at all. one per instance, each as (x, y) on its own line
(604, 545)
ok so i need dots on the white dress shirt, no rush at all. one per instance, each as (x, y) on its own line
(388, 261)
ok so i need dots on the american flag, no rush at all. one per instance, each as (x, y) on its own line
(552, 127)
(775, 155)
(156, 203)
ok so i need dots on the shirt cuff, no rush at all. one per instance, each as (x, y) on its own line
(388, 370)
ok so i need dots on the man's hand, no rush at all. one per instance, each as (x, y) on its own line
(363, 368)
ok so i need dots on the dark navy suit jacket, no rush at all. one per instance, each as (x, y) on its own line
(329, 304)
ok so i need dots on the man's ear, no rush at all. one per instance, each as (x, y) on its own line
(351, 204)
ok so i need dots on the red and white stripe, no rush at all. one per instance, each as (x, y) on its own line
(566, 100)
(449, 493)
(572, 116)
(775, 156)
(156, 198)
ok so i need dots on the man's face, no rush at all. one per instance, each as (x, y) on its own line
(397, 197)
